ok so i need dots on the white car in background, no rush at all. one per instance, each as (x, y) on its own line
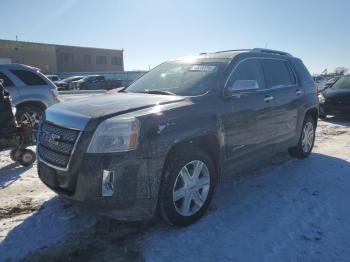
(31, 92)
(321, 82)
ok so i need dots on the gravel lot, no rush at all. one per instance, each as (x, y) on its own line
(290, 210)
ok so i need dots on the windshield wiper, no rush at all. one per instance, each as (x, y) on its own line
(159, 92)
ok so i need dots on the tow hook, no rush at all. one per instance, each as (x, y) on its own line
(107, 183)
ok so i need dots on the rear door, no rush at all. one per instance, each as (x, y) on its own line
(31, 86)
(281, 79)
(100, 82)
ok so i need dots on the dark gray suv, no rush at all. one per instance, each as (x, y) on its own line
(163, 143)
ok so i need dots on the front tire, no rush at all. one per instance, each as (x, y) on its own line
(187, 188)
(306, 140)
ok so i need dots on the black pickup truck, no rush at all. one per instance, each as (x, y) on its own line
(162, 144)
(96, 82)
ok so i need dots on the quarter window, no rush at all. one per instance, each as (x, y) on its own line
(277, 73)
(5, 80)
(248, 70)
(28, 78)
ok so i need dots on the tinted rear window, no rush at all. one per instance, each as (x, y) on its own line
(277, 73)
(5, 80)
(302, 72)
(29, 78)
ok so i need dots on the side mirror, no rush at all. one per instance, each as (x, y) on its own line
(241, 86)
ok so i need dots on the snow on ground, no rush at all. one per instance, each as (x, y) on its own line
(292, 210)
(297, 211)
(31, 216)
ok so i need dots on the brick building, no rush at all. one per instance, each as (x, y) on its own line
(53, 59)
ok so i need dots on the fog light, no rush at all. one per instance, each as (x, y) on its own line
(107, 183)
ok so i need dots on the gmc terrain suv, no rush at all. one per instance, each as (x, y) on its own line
(163, 143)
(31, 92)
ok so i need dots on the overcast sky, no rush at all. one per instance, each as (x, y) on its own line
(153, 31)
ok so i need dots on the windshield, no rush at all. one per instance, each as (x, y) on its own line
(179, 77)
(342, 83)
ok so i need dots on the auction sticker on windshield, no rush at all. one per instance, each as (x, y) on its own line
(203, 68)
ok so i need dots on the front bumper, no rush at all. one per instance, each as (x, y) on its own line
(334, 109)
(136, 184)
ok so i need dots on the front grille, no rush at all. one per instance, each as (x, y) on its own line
(56, 144)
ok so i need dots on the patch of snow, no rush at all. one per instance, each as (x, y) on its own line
(32, 217)
(298, 211)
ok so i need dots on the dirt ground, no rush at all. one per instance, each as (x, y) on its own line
(290, 210)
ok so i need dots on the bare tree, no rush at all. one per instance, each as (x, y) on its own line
(341, 70)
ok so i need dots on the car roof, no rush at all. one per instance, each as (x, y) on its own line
(230, 54)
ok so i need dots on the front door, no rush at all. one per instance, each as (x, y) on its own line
(247, 118)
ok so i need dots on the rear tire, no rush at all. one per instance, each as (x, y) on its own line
(306, 140)
(187, 187)
(30, 115)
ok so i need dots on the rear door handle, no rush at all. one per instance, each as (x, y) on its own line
(268, 98)
(298, 92)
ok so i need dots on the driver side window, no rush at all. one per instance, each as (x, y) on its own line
(248, 70)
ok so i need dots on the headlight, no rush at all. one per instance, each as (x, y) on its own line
(321, 99)
(115, 135)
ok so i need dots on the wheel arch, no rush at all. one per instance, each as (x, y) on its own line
(313, 112)
(31, 103)
(207, 143)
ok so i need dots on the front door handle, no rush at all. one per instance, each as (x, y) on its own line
(268, 98)
(298, 92)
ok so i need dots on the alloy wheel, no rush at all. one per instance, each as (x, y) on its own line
(31, 118)
(191, 188)
(308, 137)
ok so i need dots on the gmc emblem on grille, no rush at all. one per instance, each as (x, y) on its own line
(51, 138)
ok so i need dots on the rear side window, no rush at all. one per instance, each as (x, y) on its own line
(248, 70)
(5, 80)
(29, 78)
(304, 76)
(277, 73)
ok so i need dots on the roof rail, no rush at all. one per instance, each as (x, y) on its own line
(233, 50)
(270, 51)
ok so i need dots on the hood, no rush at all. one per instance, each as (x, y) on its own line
(337, 95)
(113, 104)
